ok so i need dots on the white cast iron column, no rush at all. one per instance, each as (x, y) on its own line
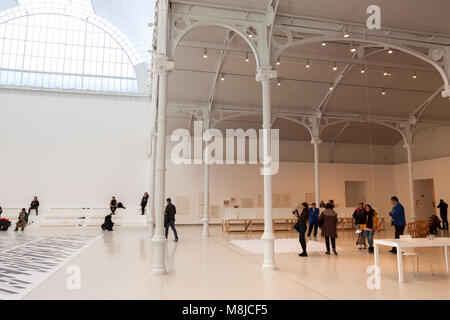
(164, 66)
(408, 146)
(153, 114)
(314, 126)
(206, 121)
(264, 75)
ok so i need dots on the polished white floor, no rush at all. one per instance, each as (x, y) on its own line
(118, 266)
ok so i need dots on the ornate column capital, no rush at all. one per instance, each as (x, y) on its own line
(446, 92)
(315, 140)
(265, 73)
(163, 64)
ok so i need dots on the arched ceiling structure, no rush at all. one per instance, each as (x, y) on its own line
(371, 82)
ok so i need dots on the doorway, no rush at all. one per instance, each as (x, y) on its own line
(424, 198)
(355, 192)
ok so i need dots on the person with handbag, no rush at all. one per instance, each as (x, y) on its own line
(359, 218)
(300, 226)
(370, 225)
(328, 221)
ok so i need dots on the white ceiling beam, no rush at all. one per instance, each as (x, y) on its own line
(281, 112)
(310, 25)
(313, 57)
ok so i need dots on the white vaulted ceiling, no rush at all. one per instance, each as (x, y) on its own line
(302, 88)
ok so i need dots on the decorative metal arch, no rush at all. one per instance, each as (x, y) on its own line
(177, 34)
(279, 48)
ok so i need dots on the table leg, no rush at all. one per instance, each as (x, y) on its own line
(376, 257)
(400, 264)
(446, 257)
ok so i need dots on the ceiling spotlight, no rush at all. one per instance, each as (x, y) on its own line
(352, 47)
(331, 87)
(246, 57)
(323, 44)
(307, 64)
(335, 67)
(346, 34)
(222, 77)
(389, 73)
(385, 73)
(383, 92)
(279, 82)
(278, 61)
(363, 69)
(390, 51)
(414, 75)
(205, 53)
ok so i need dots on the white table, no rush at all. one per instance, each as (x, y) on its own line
(409, 243)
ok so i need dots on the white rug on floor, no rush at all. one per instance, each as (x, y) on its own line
(256, 246)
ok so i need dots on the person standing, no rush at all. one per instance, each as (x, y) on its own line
(370, 225)
(1, 211)
(313, 220)
(144, 202)
(113, 205)
(359, 218)
(22, 220)
(34, 205)
(329, 223)
(169, 218)
(398, 219)
(443, 207)
(302, 221)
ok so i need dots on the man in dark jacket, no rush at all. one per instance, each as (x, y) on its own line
(144, 202)
(443, 207)
(169, 218)
(398, 219)
(360, 219)
(34, 205)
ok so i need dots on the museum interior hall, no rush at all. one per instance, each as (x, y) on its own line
(216, 150)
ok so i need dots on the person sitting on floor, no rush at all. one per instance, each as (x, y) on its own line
(435, 224)
(108, 224)
(22, 220)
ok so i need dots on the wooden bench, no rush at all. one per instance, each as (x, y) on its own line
(257, 224)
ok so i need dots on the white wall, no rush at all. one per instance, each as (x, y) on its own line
(72, 151)
(77, 150)
(245, 181)
(430, 143)
(436, 169)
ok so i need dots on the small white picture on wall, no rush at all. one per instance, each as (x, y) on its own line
(182, 204)
(214, 211)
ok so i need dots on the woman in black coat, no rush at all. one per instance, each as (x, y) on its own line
(108, 224)
(302, 221)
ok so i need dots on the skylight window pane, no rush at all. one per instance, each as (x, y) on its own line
(61, 51)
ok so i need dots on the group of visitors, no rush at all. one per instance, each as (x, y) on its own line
(365, 218)
(327, 221)
(366, 222)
